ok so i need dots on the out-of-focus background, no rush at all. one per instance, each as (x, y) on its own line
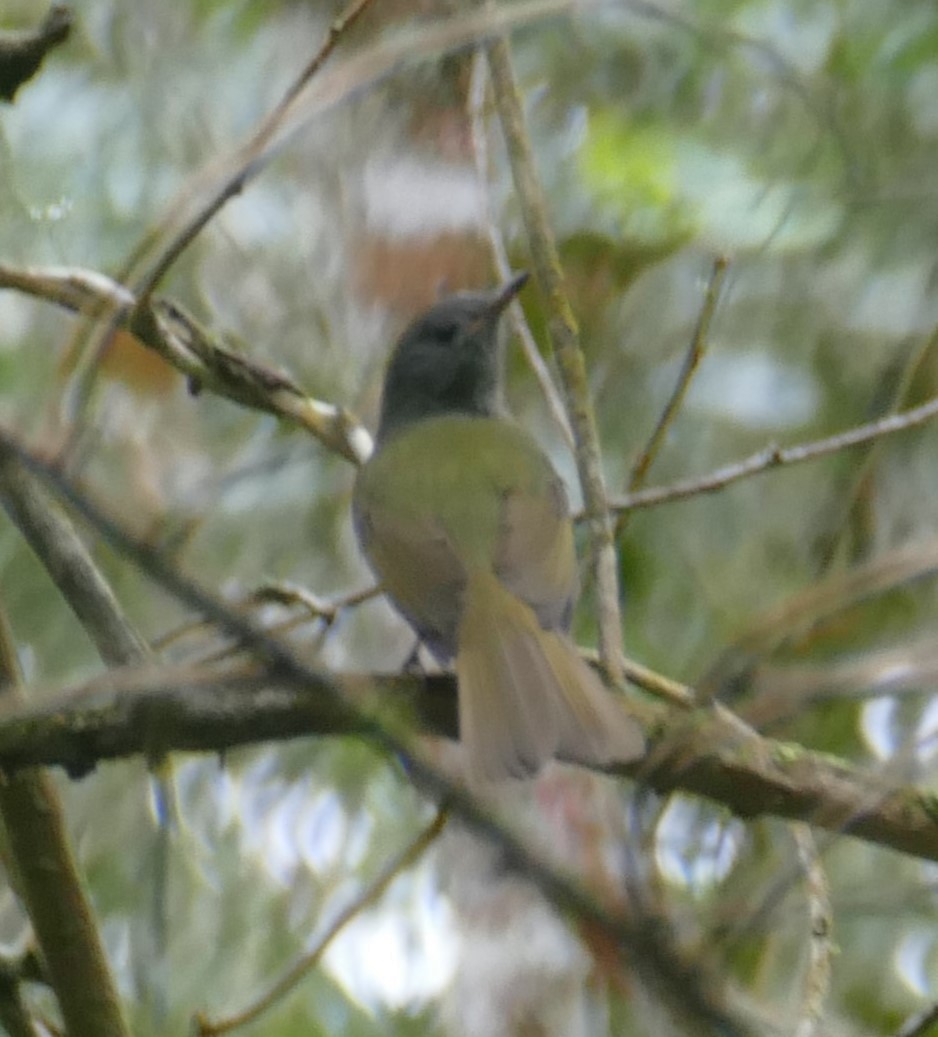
(798, 140)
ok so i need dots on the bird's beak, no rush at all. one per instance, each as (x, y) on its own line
(502, 297)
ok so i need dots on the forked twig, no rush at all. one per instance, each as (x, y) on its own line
(774, 456)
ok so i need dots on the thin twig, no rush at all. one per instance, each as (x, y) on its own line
(480, 153)
(834, 516)
(564, 337)
(695, 353)
(664, 687)
(305, 963)
(817, 978)
(234, 184)
(283, 594)
(774, 456)
(316, 609)
(325, 608)
(358, 72)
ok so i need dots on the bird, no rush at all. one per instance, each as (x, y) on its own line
(465, 523)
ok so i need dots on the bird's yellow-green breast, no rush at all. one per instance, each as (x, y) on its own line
(455, 493)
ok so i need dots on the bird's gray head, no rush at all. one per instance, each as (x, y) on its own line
(448, 361)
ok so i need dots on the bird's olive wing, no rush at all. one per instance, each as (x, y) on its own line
(535, 556)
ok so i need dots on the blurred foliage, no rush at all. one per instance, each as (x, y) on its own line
(797, 138)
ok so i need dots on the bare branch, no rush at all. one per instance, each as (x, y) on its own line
(62, 552)
(708, 752)
(311, 97)
(715, 757)
(166, 328)
(695, 353)
(286, 594)
(776, 457)
(50, 885)
(235, 182)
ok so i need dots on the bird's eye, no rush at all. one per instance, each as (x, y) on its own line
(446, 334)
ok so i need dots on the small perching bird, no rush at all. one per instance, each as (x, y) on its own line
(466, 525)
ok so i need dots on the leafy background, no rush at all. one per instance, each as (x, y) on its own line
(796, 139)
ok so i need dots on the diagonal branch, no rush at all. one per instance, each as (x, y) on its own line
(166, 328)
(234, 184)
(500, 254)
(65, 557)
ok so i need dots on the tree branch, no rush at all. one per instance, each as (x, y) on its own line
(817, 979)
(480, 156)
(707, 752)
(774, 456)
(165, 327)
(692, 359)
(62, 552)
(49, 883)
(235, 182)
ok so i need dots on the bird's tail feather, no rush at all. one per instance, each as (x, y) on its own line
(525, 695)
